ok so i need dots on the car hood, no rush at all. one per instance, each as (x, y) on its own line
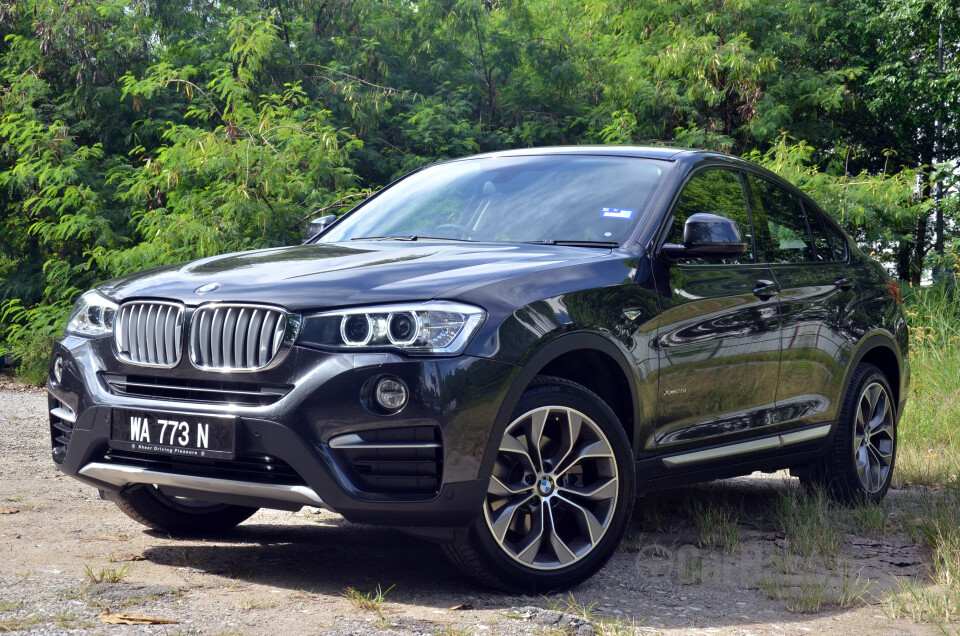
(324, 275)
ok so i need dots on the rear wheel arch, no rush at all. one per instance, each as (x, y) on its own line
(584, 358)
(881, 351)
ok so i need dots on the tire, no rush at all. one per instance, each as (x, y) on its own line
(177, 515)
(552, 516)
(859, 467)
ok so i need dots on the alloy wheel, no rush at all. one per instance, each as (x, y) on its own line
(554, 488)
(873, 437)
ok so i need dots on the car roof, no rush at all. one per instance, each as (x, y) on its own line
(646, 152)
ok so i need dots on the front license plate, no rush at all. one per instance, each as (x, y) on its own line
(184, 435)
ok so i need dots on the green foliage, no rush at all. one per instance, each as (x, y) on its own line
(147, 133)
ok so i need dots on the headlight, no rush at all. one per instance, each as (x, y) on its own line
(92, 315)
(436, 327)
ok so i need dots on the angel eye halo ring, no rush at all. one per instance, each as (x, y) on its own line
(418, 328)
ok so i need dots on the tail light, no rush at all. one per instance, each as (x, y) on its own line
(895, 292)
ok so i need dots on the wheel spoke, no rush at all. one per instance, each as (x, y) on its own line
(510, 444)
(590, 523)
(564, 554)
(873, 392)
(529, 553)
(535, 436)
(874, 457)
(879, 414)
(570, 435)
(599, 449)
(876, 476)
(882, 432)
(861, 419)
(597, 492)
(501, 524)
(501, 489)
(863, 465)
(884, 451)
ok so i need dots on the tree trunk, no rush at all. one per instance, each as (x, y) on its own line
(920, 247)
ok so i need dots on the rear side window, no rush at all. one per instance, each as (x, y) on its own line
(714, 191)
(821, 244)
(784, 237)
(835, 241)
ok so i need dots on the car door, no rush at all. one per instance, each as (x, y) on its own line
(718, 339)
(818, 301)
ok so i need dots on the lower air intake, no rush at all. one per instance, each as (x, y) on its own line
(392, 461)
(62, 419)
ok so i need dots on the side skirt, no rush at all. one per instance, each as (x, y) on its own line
(767, 454)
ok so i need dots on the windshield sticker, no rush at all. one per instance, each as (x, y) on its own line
(616, 213)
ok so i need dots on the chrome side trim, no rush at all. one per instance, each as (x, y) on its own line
(64, 413)
(353, 440)
(803, 436)
(126, 475)
(766, 443)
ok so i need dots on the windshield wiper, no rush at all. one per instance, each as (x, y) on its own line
(604, 244)
(413, 237)
(384, 238)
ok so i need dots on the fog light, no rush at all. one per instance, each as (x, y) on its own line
(58, 369)
(391, 394)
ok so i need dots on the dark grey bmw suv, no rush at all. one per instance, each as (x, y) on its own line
(498, 353)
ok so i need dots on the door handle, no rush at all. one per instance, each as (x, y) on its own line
(765, 289)
(843, 283)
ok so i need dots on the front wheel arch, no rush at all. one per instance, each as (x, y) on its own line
(538, 362)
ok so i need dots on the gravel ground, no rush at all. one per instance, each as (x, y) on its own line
(283, 572)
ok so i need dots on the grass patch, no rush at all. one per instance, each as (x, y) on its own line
(922, 603)
(811, 527)
(369, 600)
(11, 606)
(718, 527)
(810, 593)
(929, 446)
(693, 573)
(186, 559)
(618, 627)
(669, 512)
(936, 524)
(21, 623)
(871, 520)
(578, 608)
(107, 575)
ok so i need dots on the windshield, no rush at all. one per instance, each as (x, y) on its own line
(510, 199)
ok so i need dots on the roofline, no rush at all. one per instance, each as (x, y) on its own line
(668, 153)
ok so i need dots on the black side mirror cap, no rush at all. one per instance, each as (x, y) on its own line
(318, 225)
(708, 235)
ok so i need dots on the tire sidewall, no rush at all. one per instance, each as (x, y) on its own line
(156, 510)
(568, 394)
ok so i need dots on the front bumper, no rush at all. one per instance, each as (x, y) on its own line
(285, 458)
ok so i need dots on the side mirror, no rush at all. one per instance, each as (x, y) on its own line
(708, 235)
(318, 225)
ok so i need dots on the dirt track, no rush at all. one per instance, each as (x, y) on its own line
(287, 573)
